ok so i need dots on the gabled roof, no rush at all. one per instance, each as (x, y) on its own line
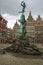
(39, 18)
(16, 26)
(39, 21)
(30, 17)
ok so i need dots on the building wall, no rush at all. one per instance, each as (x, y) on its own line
(30, 27)
(3, 24)
(39, 30)
(35, 28)
(15, 29)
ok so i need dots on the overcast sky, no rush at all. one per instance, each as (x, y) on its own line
(10, 8)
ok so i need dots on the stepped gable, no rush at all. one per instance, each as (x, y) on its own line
(39, 21)
(15, 29)
(39, 18)
(30, 17)
(16, 26)
(30, 25)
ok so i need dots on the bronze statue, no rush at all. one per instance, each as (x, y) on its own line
(23, 6)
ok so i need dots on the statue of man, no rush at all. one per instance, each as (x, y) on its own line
(23, 5)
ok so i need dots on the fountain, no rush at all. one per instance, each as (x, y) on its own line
(22, 43)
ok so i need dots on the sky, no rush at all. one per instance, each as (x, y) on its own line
(10, 9)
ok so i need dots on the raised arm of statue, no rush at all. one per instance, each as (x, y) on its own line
(23, 6)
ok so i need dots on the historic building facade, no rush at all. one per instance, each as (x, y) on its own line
(15, 29)
(3, 29)
(30, 26)
(39, 30)
(34, 28)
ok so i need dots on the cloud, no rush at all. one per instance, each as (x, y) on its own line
(11, 19)
(12, 7)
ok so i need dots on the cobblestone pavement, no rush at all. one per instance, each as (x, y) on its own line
(4, 45)
(19, 59)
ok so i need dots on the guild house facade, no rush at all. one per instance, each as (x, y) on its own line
(3, 29)
(34, 28)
